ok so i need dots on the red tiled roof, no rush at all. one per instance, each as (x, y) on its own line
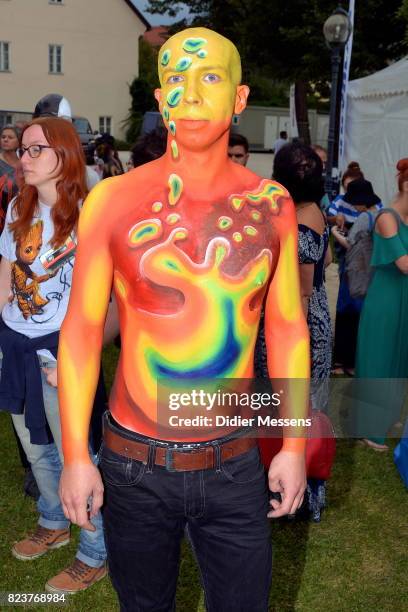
(156, 36)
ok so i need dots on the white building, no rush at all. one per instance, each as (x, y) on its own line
(85, 50)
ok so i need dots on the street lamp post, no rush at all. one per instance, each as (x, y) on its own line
(336, 30)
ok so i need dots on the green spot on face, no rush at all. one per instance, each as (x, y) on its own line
(253, 198)
(174, 149)
(174, 96)
(166, 113)
(224, 223)
(237, 236)
(183, 64)
(250, 231)
(165, 57)
(172, 127)
(192, 45)
(202, 53)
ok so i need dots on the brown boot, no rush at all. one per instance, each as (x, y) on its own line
(40, 542)
(77, 577)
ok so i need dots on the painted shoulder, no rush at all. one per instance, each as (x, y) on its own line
(252, 181)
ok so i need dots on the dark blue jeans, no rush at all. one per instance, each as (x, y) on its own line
(223, 510)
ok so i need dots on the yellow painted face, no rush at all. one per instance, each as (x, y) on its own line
(199, 72)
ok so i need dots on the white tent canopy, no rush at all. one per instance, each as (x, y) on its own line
(377, 126)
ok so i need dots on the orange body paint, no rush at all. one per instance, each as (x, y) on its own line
(191, 243)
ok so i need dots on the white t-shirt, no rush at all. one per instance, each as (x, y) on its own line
(279, 143)
(41, 277)
(92, 177)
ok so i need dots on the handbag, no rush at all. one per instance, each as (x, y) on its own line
(357, 262)
(320, 447)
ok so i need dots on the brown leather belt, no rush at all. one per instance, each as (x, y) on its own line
(178, 459)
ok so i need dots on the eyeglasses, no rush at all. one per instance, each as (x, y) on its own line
(34, 151)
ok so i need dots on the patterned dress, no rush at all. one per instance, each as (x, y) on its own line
(312, 249)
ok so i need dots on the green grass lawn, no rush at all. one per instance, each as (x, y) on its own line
(355, 560)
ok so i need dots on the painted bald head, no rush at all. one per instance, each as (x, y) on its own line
(194, 45)
(200, 74)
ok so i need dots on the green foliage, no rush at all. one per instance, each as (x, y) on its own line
(403, 14)
(284, 40)
(121, 145)
(142, 96)
(143, 100)
(148, 64)
(141, 90)
(133, 126)
(266, 92)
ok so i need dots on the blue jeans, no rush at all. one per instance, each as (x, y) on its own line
(223, 510)
(46, 464)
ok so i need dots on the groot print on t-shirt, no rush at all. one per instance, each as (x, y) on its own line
(25, 284)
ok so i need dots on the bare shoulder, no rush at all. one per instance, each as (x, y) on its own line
(387, 225)
(311, 216)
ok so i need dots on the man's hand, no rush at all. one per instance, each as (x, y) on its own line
(287, 476)
(80, 483)
(51, 376)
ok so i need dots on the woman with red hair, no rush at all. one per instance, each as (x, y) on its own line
(38, 250)
(382, 348)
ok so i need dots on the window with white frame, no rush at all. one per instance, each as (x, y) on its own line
(105, 125)
(5, 120)
(4, 56)
(55, 59)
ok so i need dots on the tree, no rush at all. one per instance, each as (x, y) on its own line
(148, 63)
(141, 90)
(283, 39)
(143, 100)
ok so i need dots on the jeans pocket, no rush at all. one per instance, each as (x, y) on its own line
(245, 468)
(120, 471)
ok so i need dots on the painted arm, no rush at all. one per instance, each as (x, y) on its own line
(288, 352)
(111, 330)
(79, 356)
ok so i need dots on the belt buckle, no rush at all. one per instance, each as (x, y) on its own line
(169, 459)
(170, 450)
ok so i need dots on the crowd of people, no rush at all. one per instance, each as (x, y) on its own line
(43, 183)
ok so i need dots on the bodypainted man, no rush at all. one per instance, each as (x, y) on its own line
(192, 244)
